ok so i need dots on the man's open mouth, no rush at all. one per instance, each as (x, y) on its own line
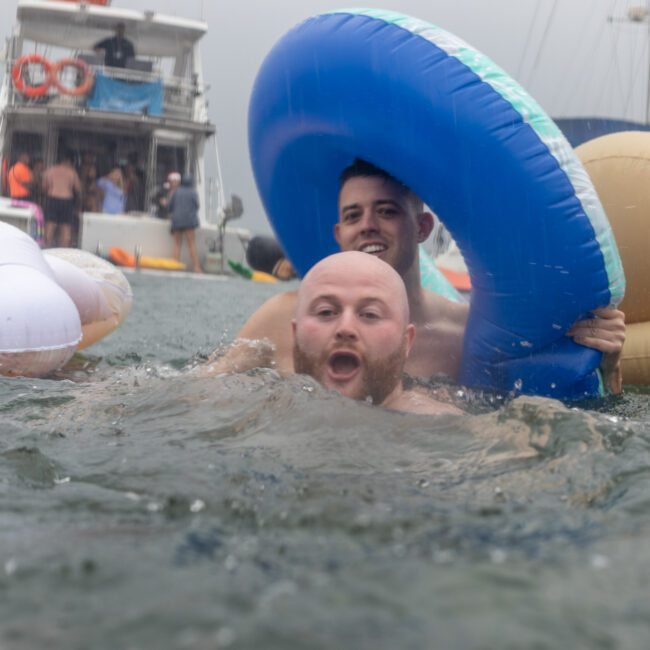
(343, 365)
(373, 248)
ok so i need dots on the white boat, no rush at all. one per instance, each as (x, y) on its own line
(165, 128)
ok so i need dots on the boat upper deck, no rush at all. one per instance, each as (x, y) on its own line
(163, 82)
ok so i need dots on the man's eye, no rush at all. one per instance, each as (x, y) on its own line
(387, 212)
(370, 315)
(325, 312)
(350, 217)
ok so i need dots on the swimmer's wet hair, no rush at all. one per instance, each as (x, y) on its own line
(366, 169)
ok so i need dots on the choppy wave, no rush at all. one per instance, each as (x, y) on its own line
(145, 507)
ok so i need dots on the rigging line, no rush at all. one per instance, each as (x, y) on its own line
(612, 67)
(542, 43)
(628, 96)
(528, 39)
(640, 65)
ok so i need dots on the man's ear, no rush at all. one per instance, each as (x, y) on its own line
(409, 336)
(337, 226)
(425, 225)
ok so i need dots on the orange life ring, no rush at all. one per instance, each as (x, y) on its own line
(83, 88)
(20, 84)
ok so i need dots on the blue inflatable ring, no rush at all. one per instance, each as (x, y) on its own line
(431, 110)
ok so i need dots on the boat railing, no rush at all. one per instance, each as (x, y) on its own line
(179, 94)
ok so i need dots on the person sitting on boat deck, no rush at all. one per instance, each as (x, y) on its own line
(184, 207)
(380, 216)
(160, 201)
(112, 188)
(62, 189)
(264, 254)
(352, 332)
(21, 179)
(116, 49)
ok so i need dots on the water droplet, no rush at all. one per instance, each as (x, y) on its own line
(10, 566)
(225, 637)
(197, 505)
(498, 556)
(598, 561)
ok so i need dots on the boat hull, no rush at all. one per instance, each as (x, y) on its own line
(144, 235)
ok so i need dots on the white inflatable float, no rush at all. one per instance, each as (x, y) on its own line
(54, 303)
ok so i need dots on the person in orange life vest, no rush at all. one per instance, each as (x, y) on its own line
(21, 178)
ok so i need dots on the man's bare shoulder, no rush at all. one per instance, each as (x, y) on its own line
(415, 401)
(273, 316)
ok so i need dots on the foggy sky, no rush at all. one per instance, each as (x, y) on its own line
(565, 53)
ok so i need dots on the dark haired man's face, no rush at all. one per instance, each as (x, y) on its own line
(377, 216)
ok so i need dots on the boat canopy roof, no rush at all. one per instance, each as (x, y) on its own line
(79, 26)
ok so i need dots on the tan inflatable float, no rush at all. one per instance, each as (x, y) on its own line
(619, 166)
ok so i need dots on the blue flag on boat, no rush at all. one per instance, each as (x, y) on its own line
(126, 97)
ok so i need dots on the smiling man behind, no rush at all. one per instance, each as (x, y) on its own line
(382, 218)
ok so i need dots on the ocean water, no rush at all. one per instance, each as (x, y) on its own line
(142, 507)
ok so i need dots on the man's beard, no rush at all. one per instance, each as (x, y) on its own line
(379, 378)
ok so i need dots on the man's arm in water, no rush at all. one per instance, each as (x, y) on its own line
(265, 341)
(606, 333)
(416, 401)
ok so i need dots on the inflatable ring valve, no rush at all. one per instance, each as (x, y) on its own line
(17, 75)
(442, 118)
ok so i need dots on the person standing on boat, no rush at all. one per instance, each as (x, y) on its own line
(117, 49)
(21, 179)
(61, 185)
(184, 210)
(91, 195)
(112, 187)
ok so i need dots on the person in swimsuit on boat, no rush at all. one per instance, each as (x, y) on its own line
(62, 189)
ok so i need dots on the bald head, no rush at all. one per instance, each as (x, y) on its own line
(351, 328)
(353, 268)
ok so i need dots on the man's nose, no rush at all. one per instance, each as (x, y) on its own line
(346, 328)
(368, 221)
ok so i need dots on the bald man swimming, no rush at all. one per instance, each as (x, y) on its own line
(352, 332)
